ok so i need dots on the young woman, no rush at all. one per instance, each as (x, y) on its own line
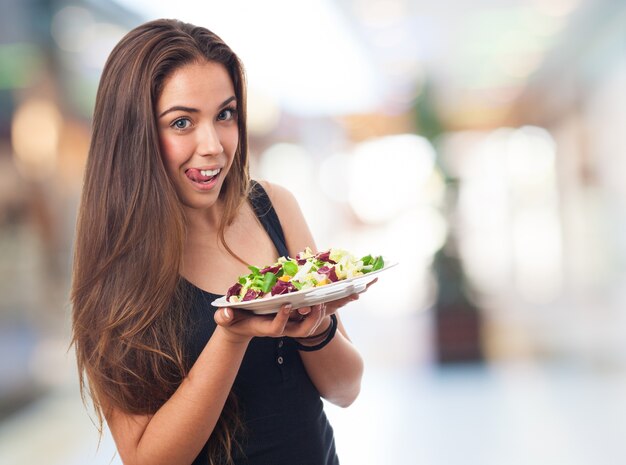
(168, 220)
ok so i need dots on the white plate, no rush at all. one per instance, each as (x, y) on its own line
(307, 297)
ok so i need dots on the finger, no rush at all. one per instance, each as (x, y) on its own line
(297, 322)
(278, 324)
(346, 300)
(333, 306)
(224, 316)
(304, 310)
(369, 284)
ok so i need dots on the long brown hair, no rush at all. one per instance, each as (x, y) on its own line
(128, 298)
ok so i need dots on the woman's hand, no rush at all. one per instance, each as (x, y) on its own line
(243, 325)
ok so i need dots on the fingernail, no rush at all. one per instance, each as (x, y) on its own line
(287, 308)
(227, 314)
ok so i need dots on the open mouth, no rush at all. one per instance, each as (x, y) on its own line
(203, 177)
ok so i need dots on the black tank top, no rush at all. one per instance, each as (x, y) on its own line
(282, 412)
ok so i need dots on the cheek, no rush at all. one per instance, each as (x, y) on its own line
(172, 151)
(231, 142)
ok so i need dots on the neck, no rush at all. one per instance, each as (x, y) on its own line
(203, 223)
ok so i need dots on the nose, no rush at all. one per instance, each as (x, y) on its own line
(209, 141)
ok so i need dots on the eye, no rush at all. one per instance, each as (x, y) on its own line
(181, 123)
(227, 114)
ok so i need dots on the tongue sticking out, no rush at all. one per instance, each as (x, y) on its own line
(195, 175)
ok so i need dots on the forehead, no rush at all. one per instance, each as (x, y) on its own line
(206, 81)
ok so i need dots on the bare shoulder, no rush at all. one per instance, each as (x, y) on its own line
(295, 227)
(282, 198)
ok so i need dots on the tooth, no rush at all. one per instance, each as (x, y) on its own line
(210, 172)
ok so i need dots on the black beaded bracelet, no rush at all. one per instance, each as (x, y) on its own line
(325, 337)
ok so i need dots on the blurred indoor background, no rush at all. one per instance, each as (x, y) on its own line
(481, 144)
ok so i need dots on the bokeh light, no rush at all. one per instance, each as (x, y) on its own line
(388, 175)
(35, 135)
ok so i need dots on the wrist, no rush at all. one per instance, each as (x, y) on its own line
(320, 340)
(323, 327)
(231, 337)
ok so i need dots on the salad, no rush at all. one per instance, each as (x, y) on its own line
(307, 270)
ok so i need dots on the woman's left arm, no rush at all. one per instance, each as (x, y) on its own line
(336, 369)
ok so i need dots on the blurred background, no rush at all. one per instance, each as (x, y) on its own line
(481, 144)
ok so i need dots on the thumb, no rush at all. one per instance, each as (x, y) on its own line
(224, 316)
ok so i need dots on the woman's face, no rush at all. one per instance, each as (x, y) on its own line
(198, 132)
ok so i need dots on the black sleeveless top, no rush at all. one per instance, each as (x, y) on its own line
(282, 412)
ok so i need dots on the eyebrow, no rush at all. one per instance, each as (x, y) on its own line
(194, 110)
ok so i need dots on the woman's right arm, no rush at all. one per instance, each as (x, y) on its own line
(176, 433)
